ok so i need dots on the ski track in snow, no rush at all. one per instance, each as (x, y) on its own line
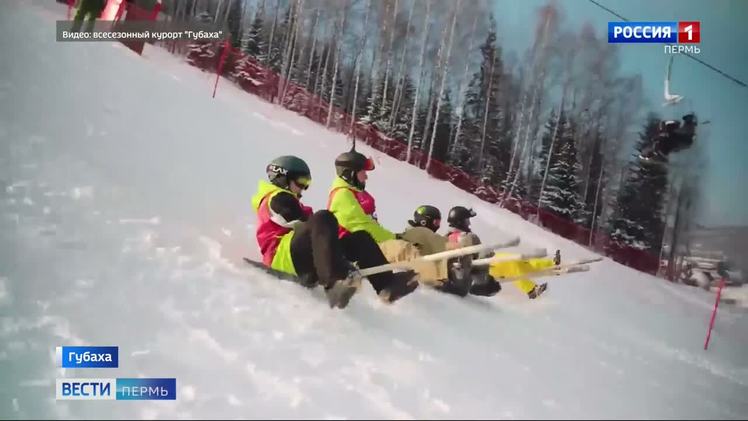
(119, 226)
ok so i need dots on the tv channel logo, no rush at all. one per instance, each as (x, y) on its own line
(685, 32)
(85, 389)
(127, 389)
(678, 37)
(87, 356)
(689, 32)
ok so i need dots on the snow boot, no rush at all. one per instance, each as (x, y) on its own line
(342, 290)
(403, 283)
(460, 278)
(537, 290)
(487, 287)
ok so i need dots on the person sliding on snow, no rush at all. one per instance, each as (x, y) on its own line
(456, 276)
(355, 210)
(349, 201)
(295, 240)
(672, 138)
(459, 220)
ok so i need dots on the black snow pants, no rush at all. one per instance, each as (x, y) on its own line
(320, 256)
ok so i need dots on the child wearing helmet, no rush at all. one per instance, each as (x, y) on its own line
(464, 277)
(418, 240)
(461, 233)
(295, 240)
(455, 276)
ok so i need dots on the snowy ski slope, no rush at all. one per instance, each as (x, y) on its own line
(124, 211)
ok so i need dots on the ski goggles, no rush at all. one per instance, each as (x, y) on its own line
(303, 182)
(368, 164)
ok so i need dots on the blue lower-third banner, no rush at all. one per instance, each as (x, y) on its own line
(146, 389)
(121, 389)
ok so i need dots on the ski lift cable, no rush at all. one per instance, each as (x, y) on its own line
(698, 60)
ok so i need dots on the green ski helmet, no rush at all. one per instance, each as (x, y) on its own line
(282, 170)
(427, 216)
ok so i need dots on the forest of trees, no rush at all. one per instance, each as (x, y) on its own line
(554, 126)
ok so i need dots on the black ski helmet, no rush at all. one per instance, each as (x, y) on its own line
(349, 163)
(282, 170)
(690, 119)
(427, 216)
(459, 217)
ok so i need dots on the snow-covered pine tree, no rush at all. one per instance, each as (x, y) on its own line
(489, 78)
(425, 116)
(443, 128)
(364, 91)
(234, 20)
(420, 71)
(467, 139)
(419, 124)
(638, 219)
(327, 76)
(336, 83)
(256, 43)
(561, 193)
(283, 30)
(401, 72)
(401, 127)
(482, 143)
(443, 139)
(379, 108)
(373, 102)
(455, 136)
(313, 57)
(273, 35)
(356, 73)
(541, 160)
(596, 177)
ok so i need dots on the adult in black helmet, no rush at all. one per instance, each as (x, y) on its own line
(295, 240)
(459, 217)
(426, 216)
(355, 207)
(352, 166)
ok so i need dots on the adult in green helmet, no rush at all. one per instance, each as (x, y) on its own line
(287, 170)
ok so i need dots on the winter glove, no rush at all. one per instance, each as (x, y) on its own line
(307, 210)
